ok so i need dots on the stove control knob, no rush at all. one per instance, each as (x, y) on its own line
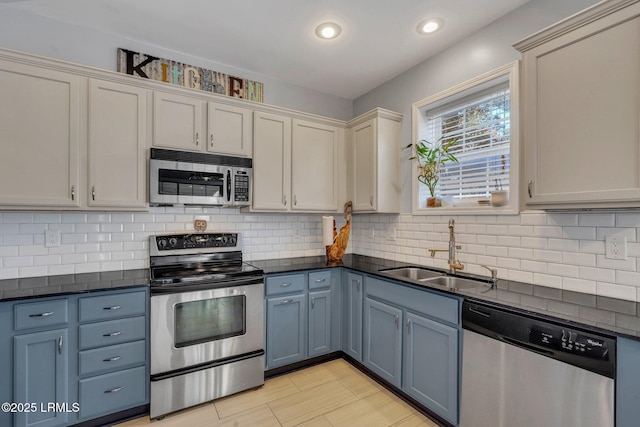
(224, 240)
(232, 240)
(173, 241)
(162, 243)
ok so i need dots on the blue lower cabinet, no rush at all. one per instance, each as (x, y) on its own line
(286, 323)
(353, 291)
(383, 340)
(319, 303)
(431, 365)
(40, 377)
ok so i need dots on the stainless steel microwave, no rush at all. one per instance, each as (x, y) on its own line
(185, 178)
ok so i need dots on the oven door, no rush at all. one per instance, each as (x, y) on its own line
(188, 183)
(203, 326)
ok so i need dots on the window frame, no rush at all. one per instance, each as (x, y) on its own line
(508, 73)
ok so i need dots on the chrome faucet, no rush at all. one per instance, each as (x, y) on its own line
(454, 264)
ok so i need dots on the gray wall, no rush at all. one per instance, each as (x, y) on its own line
(43, 36)
(489, 48)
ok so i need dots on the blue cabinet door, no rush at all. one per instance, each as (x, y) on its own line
(286, 325)
(319, 304)
(40, 376)
(382, 340)
(431, 365)
(352, 327)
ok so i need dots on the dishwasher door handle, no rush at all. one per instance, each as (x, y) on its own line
(526, 346)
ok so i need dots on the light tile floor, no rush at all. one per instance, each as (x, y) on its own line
(334, 393)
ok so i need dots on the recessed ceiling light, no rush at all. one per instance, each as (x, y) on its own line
(328, 30)
(430, 26)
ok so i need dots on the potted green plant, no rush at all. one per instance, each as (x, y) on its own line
(431, 157)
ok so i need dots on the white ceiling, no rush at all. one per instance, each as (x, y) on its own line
(276, 37)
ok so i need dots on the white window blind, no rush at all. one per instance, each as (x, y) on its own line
(480, 125)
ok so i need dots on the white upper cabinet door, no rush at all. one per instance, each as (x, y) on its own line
(230, 129)
(582, 112)
(39, 136)
(364, 138)
(374, 151)
(117, 145)
(177, 122)
(314, 170)
(271, 162)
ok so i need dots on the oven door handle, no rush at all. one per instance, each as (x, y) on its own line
(179, 288)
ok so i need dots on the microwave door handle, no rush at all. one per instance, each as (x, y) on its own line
(228, 185)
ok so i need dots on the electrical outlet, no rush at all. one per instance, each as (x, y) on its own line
(51, 238)
(391, 234)
(616, 247)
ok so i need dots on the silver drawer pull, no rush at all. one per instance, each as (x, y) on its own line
(112, 334)
(45, 314)
(112, 359)
(313, 303)
(115, 307)
(320, 280)
(287, 301)
(114, 390)
(285, 285)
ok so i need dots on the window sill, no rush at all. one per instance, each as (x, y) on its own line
(468, 210)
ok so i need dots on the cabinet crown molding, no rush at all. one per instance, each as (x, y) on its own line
(375, 113)
(573, 22)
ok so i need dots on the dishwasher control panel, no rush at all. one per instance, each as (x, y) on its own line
(566, 340)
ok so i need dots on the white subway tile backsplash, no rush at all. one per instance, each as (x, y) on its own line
(613, 290)
(599, 220)
(579, 285)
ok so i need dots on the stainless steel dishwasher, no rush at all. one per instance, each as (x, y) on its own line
(519, 370)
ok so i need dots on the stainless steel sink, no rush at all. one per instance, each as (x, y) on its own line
(413, 273)
(456, 283)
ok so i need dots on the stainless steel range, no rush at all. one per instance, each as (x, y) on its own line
(207, 323)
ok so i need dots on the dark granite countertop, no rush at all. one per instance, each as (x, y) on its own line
(34, 287)
(587, 311)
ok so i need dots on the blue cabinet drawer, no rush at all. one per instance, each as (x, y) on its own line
(113, 392)
(112, 358)
(41, 313)
(319, 279)
(284, 284)
(112, 306)
(112, 332)
(435, 305)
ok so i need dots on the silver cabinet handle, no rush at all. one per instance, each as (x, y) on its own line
(73, 192)
(321, 280)
(313, 303)
(112, 334)
(284, 199)
(45, 314)
(408, 326)
(113, 307)
(357, 282)
(287, 301)
(295, 200)
(60, 345)
(114, 390)
(397, 321)
(197, 138)
(371, 200)
(112, 359)
(285, 285)
(529, 188)
(211, 143)
(93, 192)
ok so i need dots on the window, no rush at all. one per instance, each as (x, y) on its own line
(480, 117)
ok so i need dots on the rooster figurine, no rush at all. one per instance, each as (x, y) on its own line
(341, 239)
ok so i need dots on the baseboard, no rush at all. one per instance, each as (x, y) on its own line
(302, 364)
(118, 417)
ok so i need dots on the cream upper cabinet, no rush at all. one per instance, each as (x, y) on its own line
(178, 122)
(117, 173)
(271, 162)
(230, 129)
(40, 133)
(314, 166)
(582, 110)
(374, 161)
